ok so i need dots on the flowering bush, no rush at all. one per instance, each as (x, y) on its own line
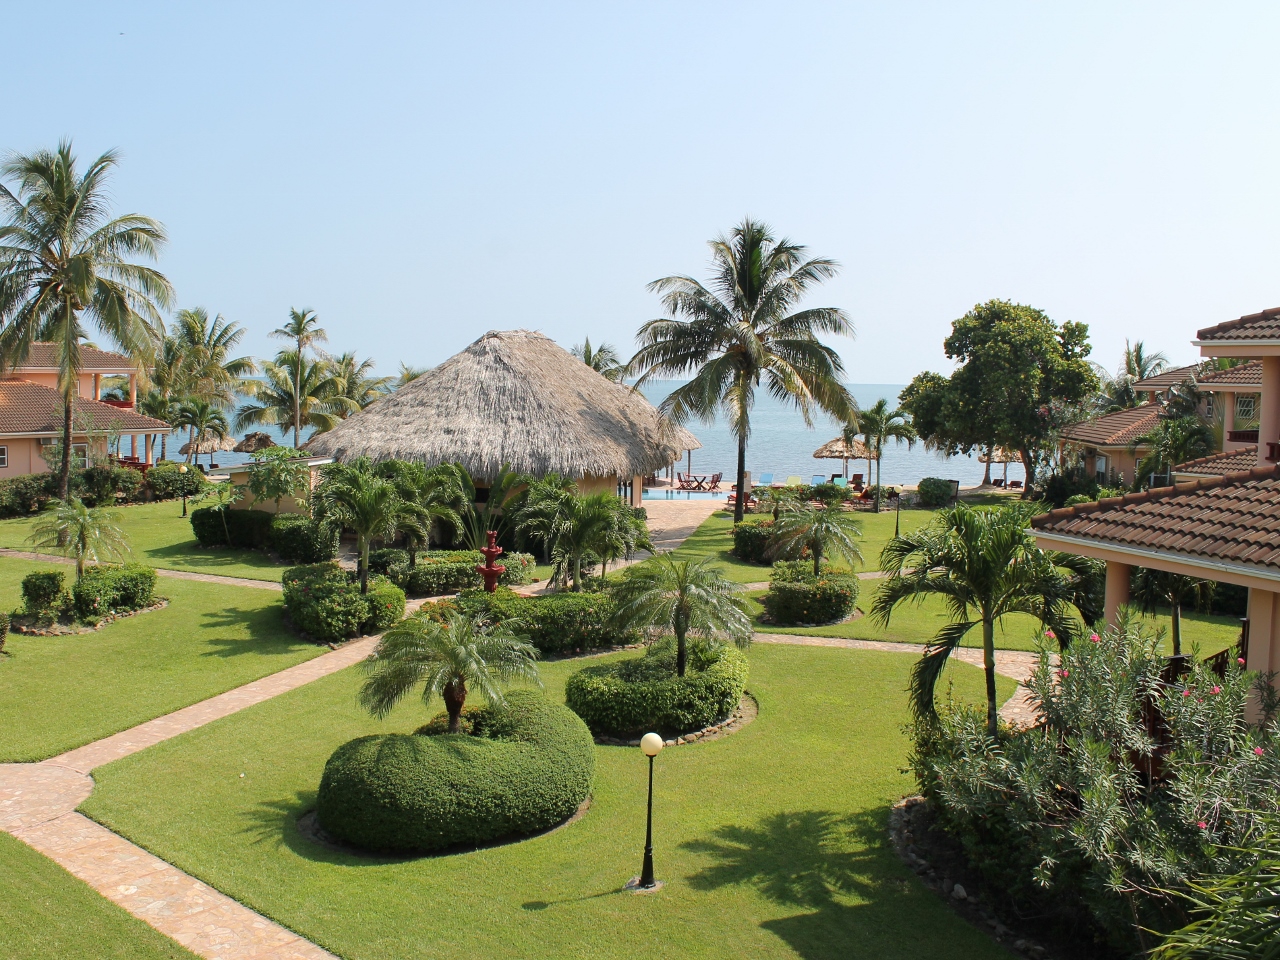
(1140, 779)
(796, 596)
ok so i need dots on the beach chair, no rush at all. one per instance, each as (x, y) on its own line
(766, 480)
(818, 478)
(793, 481)
(1015, 484)
(840, 482)
(998, 482)
(855, 481)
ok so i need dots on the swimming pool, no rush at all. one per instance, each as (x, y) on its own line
(658, 493)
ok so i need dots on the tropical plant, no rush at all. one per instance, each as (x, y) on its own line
(542, 509)
(221, 497)
(824, 531)
(407, 375)
(1153, 589)
(687, 597)
(878, 425)
(603, 359)
(207, 371)
(67, 266)
(304, 331)
(296, 391)
(84, 533)
(500, 509)
(279, 472)
(372, 509)
(358, 384)
(985, 565)
(436, 492)
(585, 526)
(157, 405)
(447, 657)
(203, 422)
(741, 332)
(1170, 442)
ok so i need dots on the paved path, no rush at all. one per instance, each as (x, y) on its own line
(174, 574)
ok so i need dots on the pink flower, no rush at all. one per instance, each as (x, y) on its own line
(1051, 635)
(1259, 751)
(1216, 690)
(1064, 673)
(1186, 693)
(1240, 660)
(1202, 825)
(1093, 637)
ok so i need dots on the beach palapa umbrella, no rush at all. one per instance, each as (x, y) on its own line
(254, 442)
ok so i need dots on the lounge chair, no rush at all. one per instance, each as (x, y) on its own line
(766, 480)
(855, 481)
(794, 481)
(1015, 484)
(840, 482)
(817, 479)
(998, 482)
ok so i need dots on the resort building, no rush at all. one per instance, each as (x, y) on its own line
(1105, 444)
(516, 399)
(31, 413)
(1223, 527)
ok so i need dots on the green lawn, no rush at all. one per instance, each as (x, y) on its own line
(160, 536)
(57, 693)
(50, 915)
(920, 624)
(771, 842)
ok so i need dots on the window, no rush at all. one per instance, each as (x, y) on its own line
(1246, 410)
(1100, 468)
(4, 457)
(80, 456)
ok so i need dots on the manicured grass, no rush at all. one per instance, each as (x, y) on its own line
(50, 915)
(920, 624)
(160, 536)
(771, 842)
(57, 693)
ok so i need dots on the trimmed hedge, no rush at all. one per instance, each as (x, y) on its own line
(634, 696)
(795, 598)
(106, 590)
(300, 539)
(99, 485)
(20, 496)
(324, 602)
(249, 529)
(752, 539)
(554, 623)
(528, 767)
(42, 593)
(167, 482)
(934, 492)
(439, 572)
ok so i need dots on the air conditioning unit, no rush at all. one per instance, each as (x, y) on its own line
(48, 441)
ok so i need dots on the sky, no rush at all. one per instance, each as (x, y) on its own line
(421, 173)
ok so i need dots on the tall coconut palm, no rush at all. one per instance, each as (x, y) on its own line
(604, 359)
(296, 391)
(1153, 589)
(878, 425)
(204, 422)
(986, 566)
(358, 384)
(828, 530)
(407, 375)
(83, 533)
(372, 509)
(304, 331)
(208, 371)
(446, 658)
(158, 406)
(67, 267)
(740, 332)
(1138, 364)
(683, 596)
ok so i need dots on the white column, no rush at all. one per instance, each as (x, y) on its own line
(133, 445)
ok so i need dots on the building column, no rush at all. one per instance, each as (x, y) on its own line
(97, 386)
(1269, 408)
(637, 490)
(1117, 590)
(133, 445)
(151, 442)
(133, 390)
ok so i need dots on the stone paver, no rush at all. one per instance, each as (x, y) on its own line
(174, 574)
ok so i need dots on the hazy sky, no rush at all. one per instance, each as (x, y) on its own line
(420, 174)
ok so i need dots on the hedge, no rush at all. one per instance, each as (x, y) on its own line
(752, 539)
(42, 593)
(324, 602)
(528, 767)
(22, 495)
(249, 529)
(793, 599)
(167, 481)
(934, 492)
(106, 590)
(300, 539)
(630, 697)
(440, 572)
(98, 485)
(554, 623)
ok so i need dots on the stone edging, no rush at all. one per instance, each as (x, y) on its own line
(747, 710)
(68, 631)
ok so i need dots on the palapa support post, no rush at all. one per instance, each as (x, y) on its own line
(487, 570)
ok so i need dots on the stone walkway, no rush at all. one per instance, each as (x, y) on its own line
(174, 574)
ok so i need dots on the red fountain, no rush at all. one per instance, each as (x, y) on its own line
(487, 569)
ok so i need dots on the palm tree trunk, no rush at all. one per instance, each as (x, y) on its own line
(817, 560)
(739, 508)
(64, 467)
(682, 651)
(1176, 632)
(989, 667)
(1029, 467)
(877, 483)
(364, 565)
(455, 698)
(577, 572)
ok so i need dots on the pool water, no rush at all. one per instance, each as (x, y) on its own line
(668, 494)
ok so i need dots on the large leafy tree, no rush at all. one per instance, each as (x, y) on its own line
(687, 597)
(296, 391)
(828, 530)
(945, 419)
(67, 267)
(741, 331)
(446, 658)
(83, 533)
(986, 566)
(603, 359)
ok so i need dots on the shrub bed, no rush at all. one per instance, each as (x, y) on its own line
(795, 596)
(525, 767)
(554, 623)
(42, 594)
(324, 602)
(934, 492)
(300, 539)
(104, 591)
(247, 529)
(22, 495)
(439, 572)
(640, 694)
(752, 539)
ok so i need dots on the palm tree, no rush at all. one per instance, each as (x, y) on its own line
(371, 508)
(1170, 442)
(208, 371)
(1117, 392)
(1155, 588)
(685, 597)
(85, 533)
(203, 421)
(221, 497)
(303, 330)
(435, 491)
(584, 526)
(446, 658)
(824, 530)
(879, 425)
(296, 391)
(67, 266)
(358, 384)
(985, 564)
(155, 403)
(407, 375)
(1139, 365)
(740, 332)
(604, 359)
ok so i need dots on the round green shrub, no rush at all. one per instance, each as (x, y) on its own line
(167, 482)
(527, 766)
(825, 599)
(752, 539)
(633, 696)
(41, 592)
(300, 539)
(934, 492)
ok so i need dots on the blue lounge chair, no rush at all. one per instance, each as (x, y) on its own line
(765, 480)
(840, 482)
(817, 479)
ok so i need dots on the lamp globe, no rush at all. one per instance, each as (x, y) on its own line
(650, 744)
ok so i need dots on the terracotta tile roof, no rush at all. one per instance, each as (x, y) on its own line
(29, 408)
(44, 356)
(1256, 326)
(1245, 375)
(1117, 429)
(1232, 520)
(1167, 379)
(1221, 464)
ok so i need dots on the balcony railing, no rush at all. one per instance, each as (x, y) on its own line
(1273, 451)
(128, 405)
(1243, 436)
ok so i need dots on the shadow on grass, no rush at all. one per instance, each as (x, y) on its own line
(276, 822)
(191, 554)
(817, 861)
(267, 632)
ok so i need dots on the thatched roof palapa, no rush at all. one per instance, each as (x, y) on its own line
(209, 445)
(840, 449)
(254, 442)
(513, 397)
(1000, 455)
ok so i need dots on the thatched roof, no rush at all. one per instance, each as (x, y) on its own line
(254, 442)
(1000, 455)
(838, 449)
(209, 445)
(513, 397)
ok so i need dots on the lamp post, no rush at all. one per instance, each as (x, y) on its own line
(650, 746)
(897, 515)
(182, 468)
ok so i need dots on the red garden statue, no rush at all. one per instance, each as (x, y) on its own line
(487, 569)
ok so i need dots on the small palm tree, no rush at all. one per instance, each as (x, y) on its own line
(372, 509)
(985, 564)
(1155, 588)
(585, 526)
(85, 533)
(685, 597)
(446, 658)
(879, 425)
(296, 391)
(436, 492)
(604, 359)
(825, 530)
(203, 422)
(1171, 442)
(741, 331)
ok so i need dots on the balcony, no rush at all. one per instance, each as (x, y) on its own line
(127, 405)
(1243, 436)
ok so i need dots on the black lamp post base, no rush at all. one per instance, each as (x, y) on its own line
(633, 886)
